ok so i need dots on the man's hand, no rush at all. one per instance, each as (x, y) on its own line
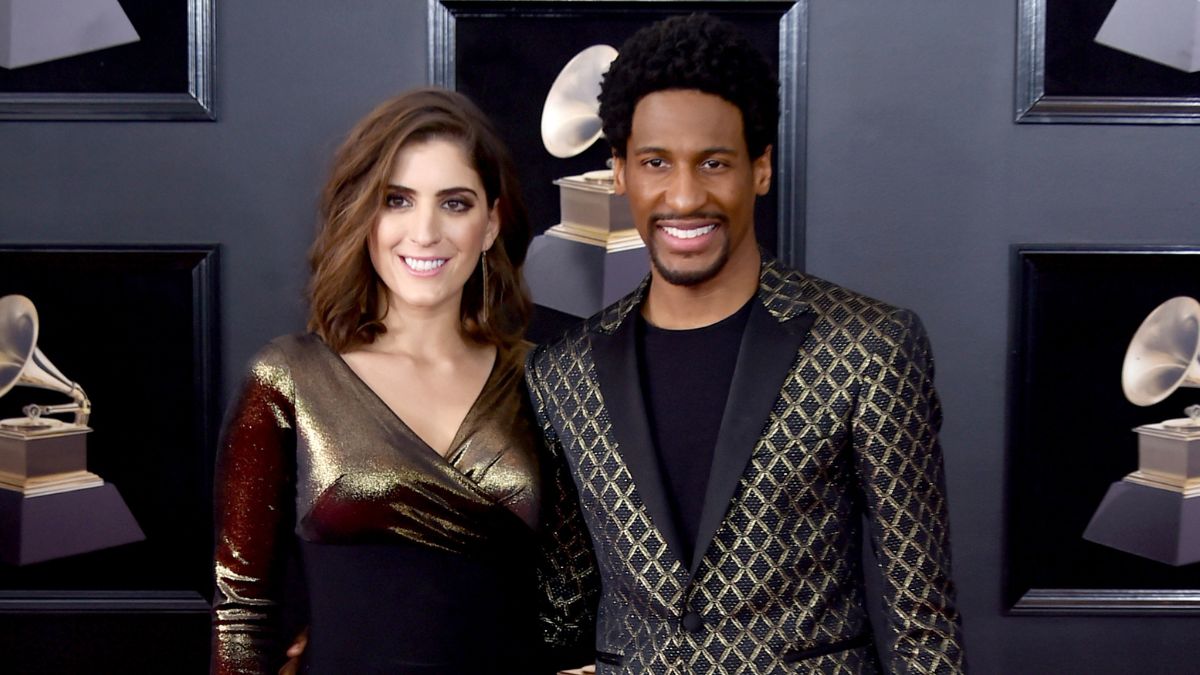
(292, 667)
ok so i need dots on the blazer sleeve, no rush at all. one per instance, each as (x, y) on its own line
(568, 580)
(254, 488)
(899, 464)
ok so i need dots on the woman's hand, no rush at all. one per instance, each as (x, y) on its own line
(292, 667)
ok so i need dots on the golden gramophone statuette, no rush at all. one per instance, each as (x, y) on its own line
(1154, 512)
(52, 505)
(594, 255)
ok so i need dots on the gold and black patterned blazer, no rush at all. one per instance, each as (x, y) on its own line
(831, 414)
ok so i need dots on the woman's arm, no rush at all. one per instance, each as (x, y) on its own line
(254, 497)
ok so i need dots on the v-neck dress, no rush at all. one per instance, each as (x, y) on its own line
(411, 562)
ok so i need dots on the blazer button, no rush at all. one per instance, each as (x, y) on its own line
(693, 622)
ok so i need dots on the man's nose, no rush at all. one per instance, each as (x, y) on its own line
(685, 194)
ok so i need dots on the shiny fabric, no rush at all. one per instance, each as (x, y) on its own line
(309, 450)
(832, 415)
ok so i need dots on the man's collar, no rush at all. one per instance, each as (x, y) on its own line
(778, 292)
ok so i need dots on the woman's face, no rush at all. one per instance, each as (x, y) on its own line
(434, 226)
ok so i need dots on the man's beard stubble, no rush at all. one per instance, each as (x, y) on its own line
(688, 277)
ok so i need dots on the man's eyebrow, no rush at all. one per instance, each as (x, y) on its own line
(656, 150)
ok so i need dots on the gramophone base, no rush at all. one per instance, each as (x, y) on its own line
(1158, 524)
(580, 278)
(34, 529)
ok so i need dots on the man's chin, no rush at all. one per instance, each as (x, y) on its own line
(688, 275)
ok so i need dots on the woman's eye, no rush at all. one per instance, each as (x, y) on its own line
(396, 201)
(457, 205)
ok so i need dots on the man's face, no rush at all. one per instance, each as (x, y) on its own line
(691, 183)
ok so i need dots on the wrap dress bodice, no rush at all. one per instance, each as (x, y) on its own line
(404, 553)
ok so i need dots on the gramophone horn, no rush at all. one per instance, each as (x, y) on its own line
(570, 117)
(18, 338)
(1164, 353)
(22, 363)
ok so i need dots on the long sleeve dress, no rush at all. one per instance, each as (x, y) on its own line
(410, 562)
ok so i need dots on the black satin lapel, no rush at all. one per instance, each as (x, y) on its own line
(615, 357)
(764, 359)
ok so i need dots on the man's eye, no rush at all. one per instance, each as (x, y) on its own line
(655, 163)
(712, 164)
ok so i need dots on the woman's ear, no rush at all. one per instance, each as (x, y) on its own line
(493, 225)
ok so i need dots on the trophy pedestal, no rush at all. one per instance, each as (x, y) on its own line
(51, 506)
(579, 278)
(592, 258)
(1154, 512)
(34, 529)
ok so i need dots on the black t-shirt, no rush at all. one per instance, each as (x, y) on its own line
(685, 378)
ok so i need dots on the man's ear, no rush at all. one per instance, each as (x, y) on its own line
(618, 167)
(762, 172)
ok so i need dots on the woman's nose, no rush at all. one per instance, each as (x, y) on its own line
(426, 228)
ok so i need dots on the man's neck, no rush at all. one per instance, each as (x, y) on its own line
(681, 307)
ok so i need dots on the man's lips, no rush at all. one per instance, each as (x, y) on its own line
(690, 232)
(689, 227)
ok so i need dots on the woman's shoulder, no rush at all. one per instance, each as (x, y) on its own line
(522, 348)
(512, 357)
(298, 342)
(290, 350)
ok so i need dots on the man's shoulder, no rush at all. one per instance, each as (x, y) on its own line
(853, 314)
(567, 343)
(604, 322)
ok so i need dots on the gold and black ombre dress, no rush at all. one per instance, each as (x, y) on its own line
(412, 562)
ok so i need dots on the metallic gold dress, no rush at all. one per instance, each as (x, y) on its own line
(411, 562)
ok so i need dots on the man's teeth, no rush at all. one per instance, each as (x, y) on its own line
(690, 233)
(424, 264)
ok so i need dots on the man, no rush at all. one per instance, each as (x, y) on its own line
(729, 422)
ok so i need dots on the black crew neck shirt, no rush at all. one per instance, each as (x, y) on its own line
(685, 377)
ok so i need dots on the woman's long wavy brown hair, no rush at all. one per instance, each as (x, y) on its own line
(346, 306)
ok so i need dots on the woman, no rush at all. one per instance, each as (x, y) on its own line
(391, 451)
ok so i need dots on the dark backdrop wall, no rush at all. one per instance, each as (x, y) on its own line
(291, 77)
(918, 183)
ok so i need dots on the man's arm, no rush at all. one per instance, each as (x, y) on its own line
(567, 575)
(899, 466)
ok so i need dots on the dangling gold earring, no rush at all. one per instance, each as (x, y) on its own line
(483, 309)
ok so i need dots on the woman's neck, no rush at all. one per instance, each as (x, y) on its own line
(423, 336)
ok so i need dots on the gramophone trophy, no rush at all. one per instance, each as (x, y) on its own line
(594, 256)
(1163, 31)
(1154, 512)
(51, 506)
(37, 31)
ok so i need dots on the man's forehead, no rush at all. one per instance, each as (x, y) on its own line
(686, 118)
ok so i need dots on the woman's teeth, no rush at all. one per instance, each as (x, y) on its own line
(424, 264)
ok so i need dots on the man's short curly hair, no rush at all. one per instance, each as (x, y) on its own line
(699, 52)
